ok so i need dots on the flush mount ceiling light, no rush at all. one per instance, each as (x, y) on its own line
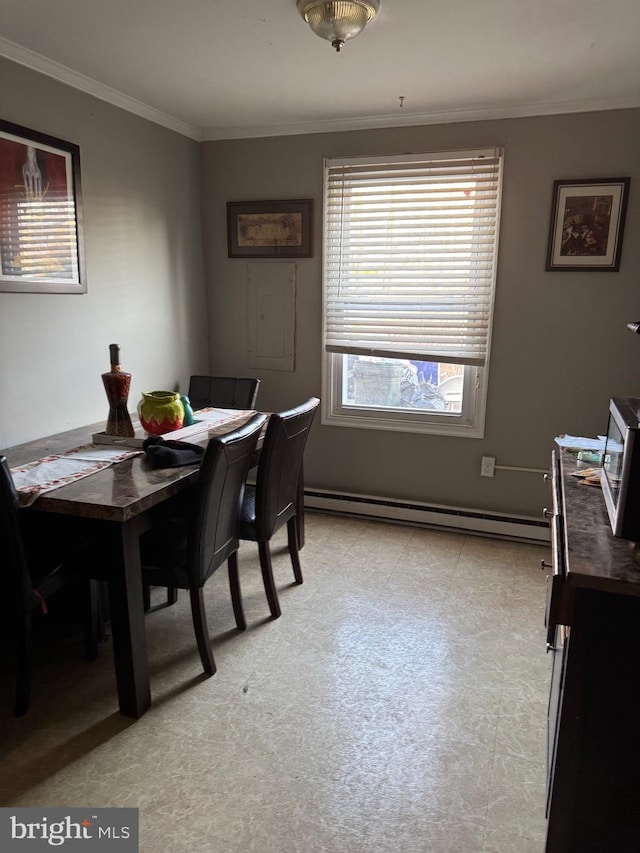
(338, 20)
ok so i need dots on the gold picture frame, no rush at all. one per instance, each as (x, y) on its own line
(269, 229)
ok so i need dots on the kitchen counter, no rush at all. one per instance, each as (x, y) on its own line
(596, 559)
(593, 640)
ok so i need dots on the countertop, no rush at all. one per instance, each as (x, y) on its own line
(596, 559)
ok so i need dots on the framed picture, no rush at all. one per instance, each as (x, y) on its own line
(587, 223)
(269, 229)
(41, 241)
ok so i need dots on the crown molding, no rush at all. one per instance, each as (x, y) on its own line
(37, 62)
(413, 119)
(63, 74)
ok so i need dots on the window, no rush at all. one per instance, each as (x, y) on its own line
(410, 247)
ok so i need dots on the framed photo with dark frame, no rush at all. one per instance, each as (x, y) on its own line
(587, 224)
(41, 238)
(269, 229)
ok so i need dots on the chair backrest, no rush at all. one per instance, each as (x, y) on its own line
(225, 392)
(279, 466)
(221, 479)
(17, 595)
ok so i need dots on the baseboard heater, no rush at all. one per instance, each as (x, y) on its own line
(430, 515)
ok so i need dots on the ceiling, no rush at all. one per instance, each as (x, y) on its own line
(219, 69)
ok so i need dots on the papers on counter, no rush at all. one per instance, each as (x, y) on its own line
(577, 442)
(214, 417)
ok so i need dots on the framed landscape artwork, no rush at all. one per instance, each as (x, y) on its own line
(269, 229)
(41, 242)
(587, 224)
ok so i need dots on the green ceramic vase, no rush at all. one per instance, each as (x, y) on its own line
(160, 412)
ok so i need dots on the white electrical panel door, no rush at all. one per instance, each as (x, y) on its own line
(272, 315)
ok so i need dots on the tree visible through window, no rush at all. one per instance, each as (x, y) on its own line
(410, 247)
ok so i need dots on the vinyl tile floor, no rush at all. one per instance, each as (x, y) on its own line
(397, 706)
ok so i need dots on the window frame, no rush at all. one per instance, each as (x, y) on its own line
(470, 422)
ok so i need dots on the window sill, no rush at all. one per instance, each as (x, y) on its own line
(451, 425)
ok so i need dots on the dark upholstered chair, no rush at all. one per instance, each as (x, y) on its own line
(184, 552)
(276, 498)
(35, 566)
(224, 392)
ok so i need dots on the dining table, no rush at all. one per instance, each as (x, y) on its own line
(113, 507)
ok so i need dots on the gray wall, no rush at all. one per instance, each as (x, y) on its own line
(560, 348)
(141, 199)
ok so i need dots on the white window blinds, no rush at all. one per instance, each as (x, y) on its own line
(410, 246)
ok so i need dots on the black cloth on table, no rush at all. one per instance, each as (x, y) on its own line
(169, 453)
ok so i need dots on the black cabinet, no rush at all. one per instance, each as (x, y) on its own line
(593, 633)
(558, 661)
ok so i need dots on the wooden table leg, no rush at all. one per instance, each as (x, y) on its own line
(127, 619)
(300, 509)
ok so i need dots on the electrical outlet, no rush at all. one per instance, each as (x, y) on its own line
(488, 466)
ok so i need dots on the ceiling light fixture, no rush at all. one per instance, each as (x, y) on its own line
(338, 20)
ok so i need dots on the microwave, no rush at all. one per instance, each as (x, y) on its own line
(620, 476)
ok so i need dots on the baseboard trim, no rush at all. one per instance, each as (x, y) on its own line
(519, 527)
